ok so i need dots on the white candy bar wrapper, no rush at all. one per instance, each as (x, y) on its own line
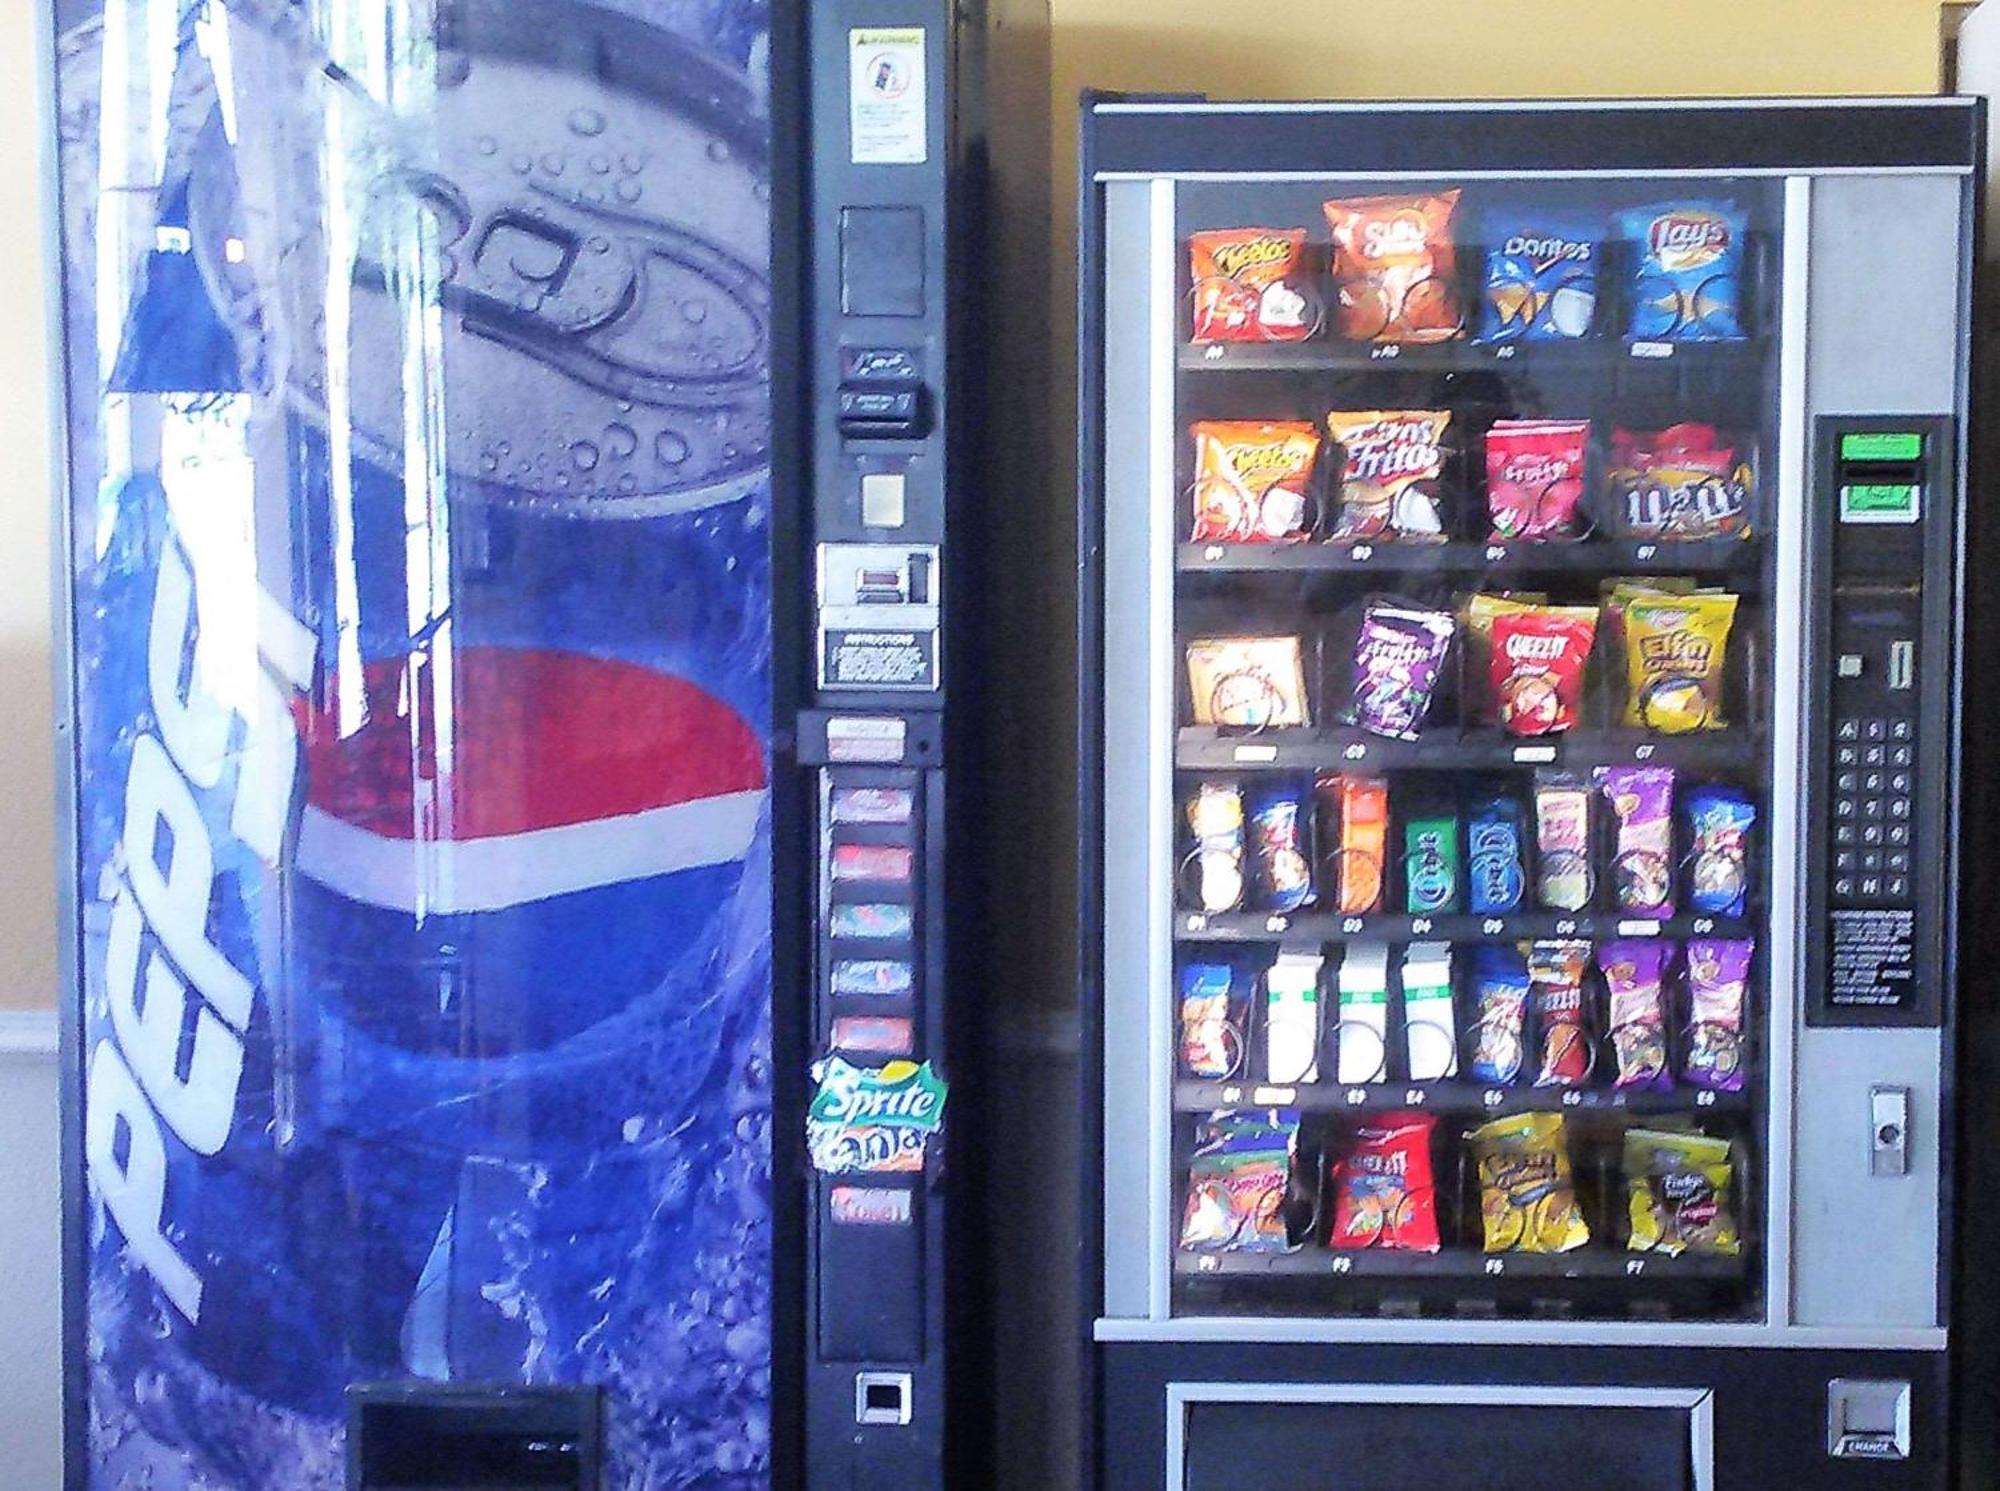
(1430, 1024)
(1364, 1013)
(1291, 1019)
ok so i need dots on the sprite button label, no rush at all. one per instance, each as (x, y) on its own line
(868, 1120)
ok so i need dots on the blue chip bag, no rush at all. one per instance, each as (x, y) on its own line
(1687, 271)
(1720, 822)
(1541, 277)
(1500, 1001)
(1495, 841)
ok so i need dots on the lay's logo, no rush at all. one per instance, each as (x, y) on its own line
(1688, 240)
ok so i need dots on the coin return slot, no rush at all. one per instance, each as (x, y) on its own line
(882, 1398)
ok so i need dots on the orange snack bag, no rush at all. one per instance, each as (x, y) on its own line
(1250, 481)
(1246, 286)
(1393, 268)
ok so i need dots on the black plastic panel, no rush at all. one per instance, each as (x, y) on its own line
(1436, 1447)
(1521, 139)
(1884, 517)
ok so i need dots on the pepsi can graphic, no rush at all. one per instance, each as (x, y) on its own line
(419, 519)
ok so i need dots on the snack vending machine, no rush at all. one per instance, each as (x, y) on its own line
(513, 599)
(1524, 554)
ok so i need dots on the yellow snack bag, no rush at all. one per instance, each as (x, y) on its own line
(1674, 652)
(1527, 1199)
(1677, 1194)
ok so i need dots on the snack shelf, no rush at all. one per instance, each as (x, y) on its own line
(1523, 926)
(1536, 359)
(1587, 556)
(1584, 1263)
(1335, 748)
(1197, 1096)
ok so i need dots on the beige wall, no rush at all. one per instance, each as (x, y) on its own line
(27, 781)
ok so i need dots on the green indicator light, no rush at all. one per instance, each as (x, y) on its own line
(1882, 445)
(1883, 499)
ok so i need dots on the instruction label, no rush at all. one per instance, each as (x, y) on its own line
(887, 118)
(1874, 958)
(898, 660)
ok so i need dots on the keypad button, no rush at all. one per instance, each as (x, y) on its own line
(1899, 861)
(1899, 808)
(1872, 860)
(1843, 887)
(1872, 808)
(1848, 730)
(1871, 886)
(1844, 808)
(1900, 782)
(1875, 755)
(1899, 833)
(1872, 834)
(1901, 756)
(1844, 834)
(1877, 730)
(1899, 888)
(1844, 860)
(1873, 781)
(1847, 755)
(1845, 782)
(1902, 730)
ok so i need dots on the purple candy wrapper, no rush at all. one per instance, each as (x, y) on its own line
(1634, 974)
(1642, 869)
(1718, 974)
(1397, 659)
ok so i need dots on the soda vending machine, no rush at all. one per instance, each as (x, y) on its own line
(512, 600)
(1524, 561)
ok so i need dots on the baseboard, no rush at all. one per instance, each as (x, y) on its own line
(27, 1032)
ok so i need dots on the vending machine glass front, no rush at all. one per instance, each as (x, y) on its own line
(1459, 503)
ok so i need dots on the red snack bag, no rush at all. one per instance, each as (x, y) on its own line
(1679, 483)
(1250, 481)
(1534, 478)
(1540, 654)
(1393, 268)
(1384, 1194)
(1556, 972)
(1246, 286)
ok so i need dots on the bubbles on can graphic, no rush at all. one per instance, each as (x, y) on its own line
(420, 444)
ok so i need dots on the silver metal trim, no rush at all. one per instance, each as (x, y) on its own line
(1529, 105)
(902, 1384)
(1159, 837)
(1299, 1331)
(1698, 1403)
(1609, 174)
(1785, 1002)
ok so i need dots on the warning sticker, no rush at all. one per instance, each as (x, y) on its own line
(885, 102)
(888, 659)
(1874, 959)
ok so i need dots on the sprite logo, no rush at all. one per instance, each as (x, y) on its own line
(866, 1119)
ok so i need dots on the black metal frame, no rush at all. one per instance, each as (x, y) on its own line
(1120, 1382)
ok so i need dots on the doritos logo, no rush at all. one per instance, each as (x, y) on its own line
(1546, 251)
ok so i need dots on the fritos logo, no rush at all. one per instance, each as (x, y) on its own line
(1391, 448)
(1688, 240)
(1234, 259)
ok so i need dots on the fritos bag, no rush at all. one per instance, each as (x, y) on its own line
(1250, 481)
(1247, 286)
(1391, 463)
(1394, 266)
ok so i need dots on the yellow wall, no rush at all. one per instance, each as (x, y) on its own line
(27, 781)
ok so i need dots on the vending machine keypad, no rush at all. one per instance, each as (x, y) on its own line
(1882, 501)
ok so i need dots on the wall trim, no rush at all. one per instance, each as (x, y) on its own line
(27, 1032)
